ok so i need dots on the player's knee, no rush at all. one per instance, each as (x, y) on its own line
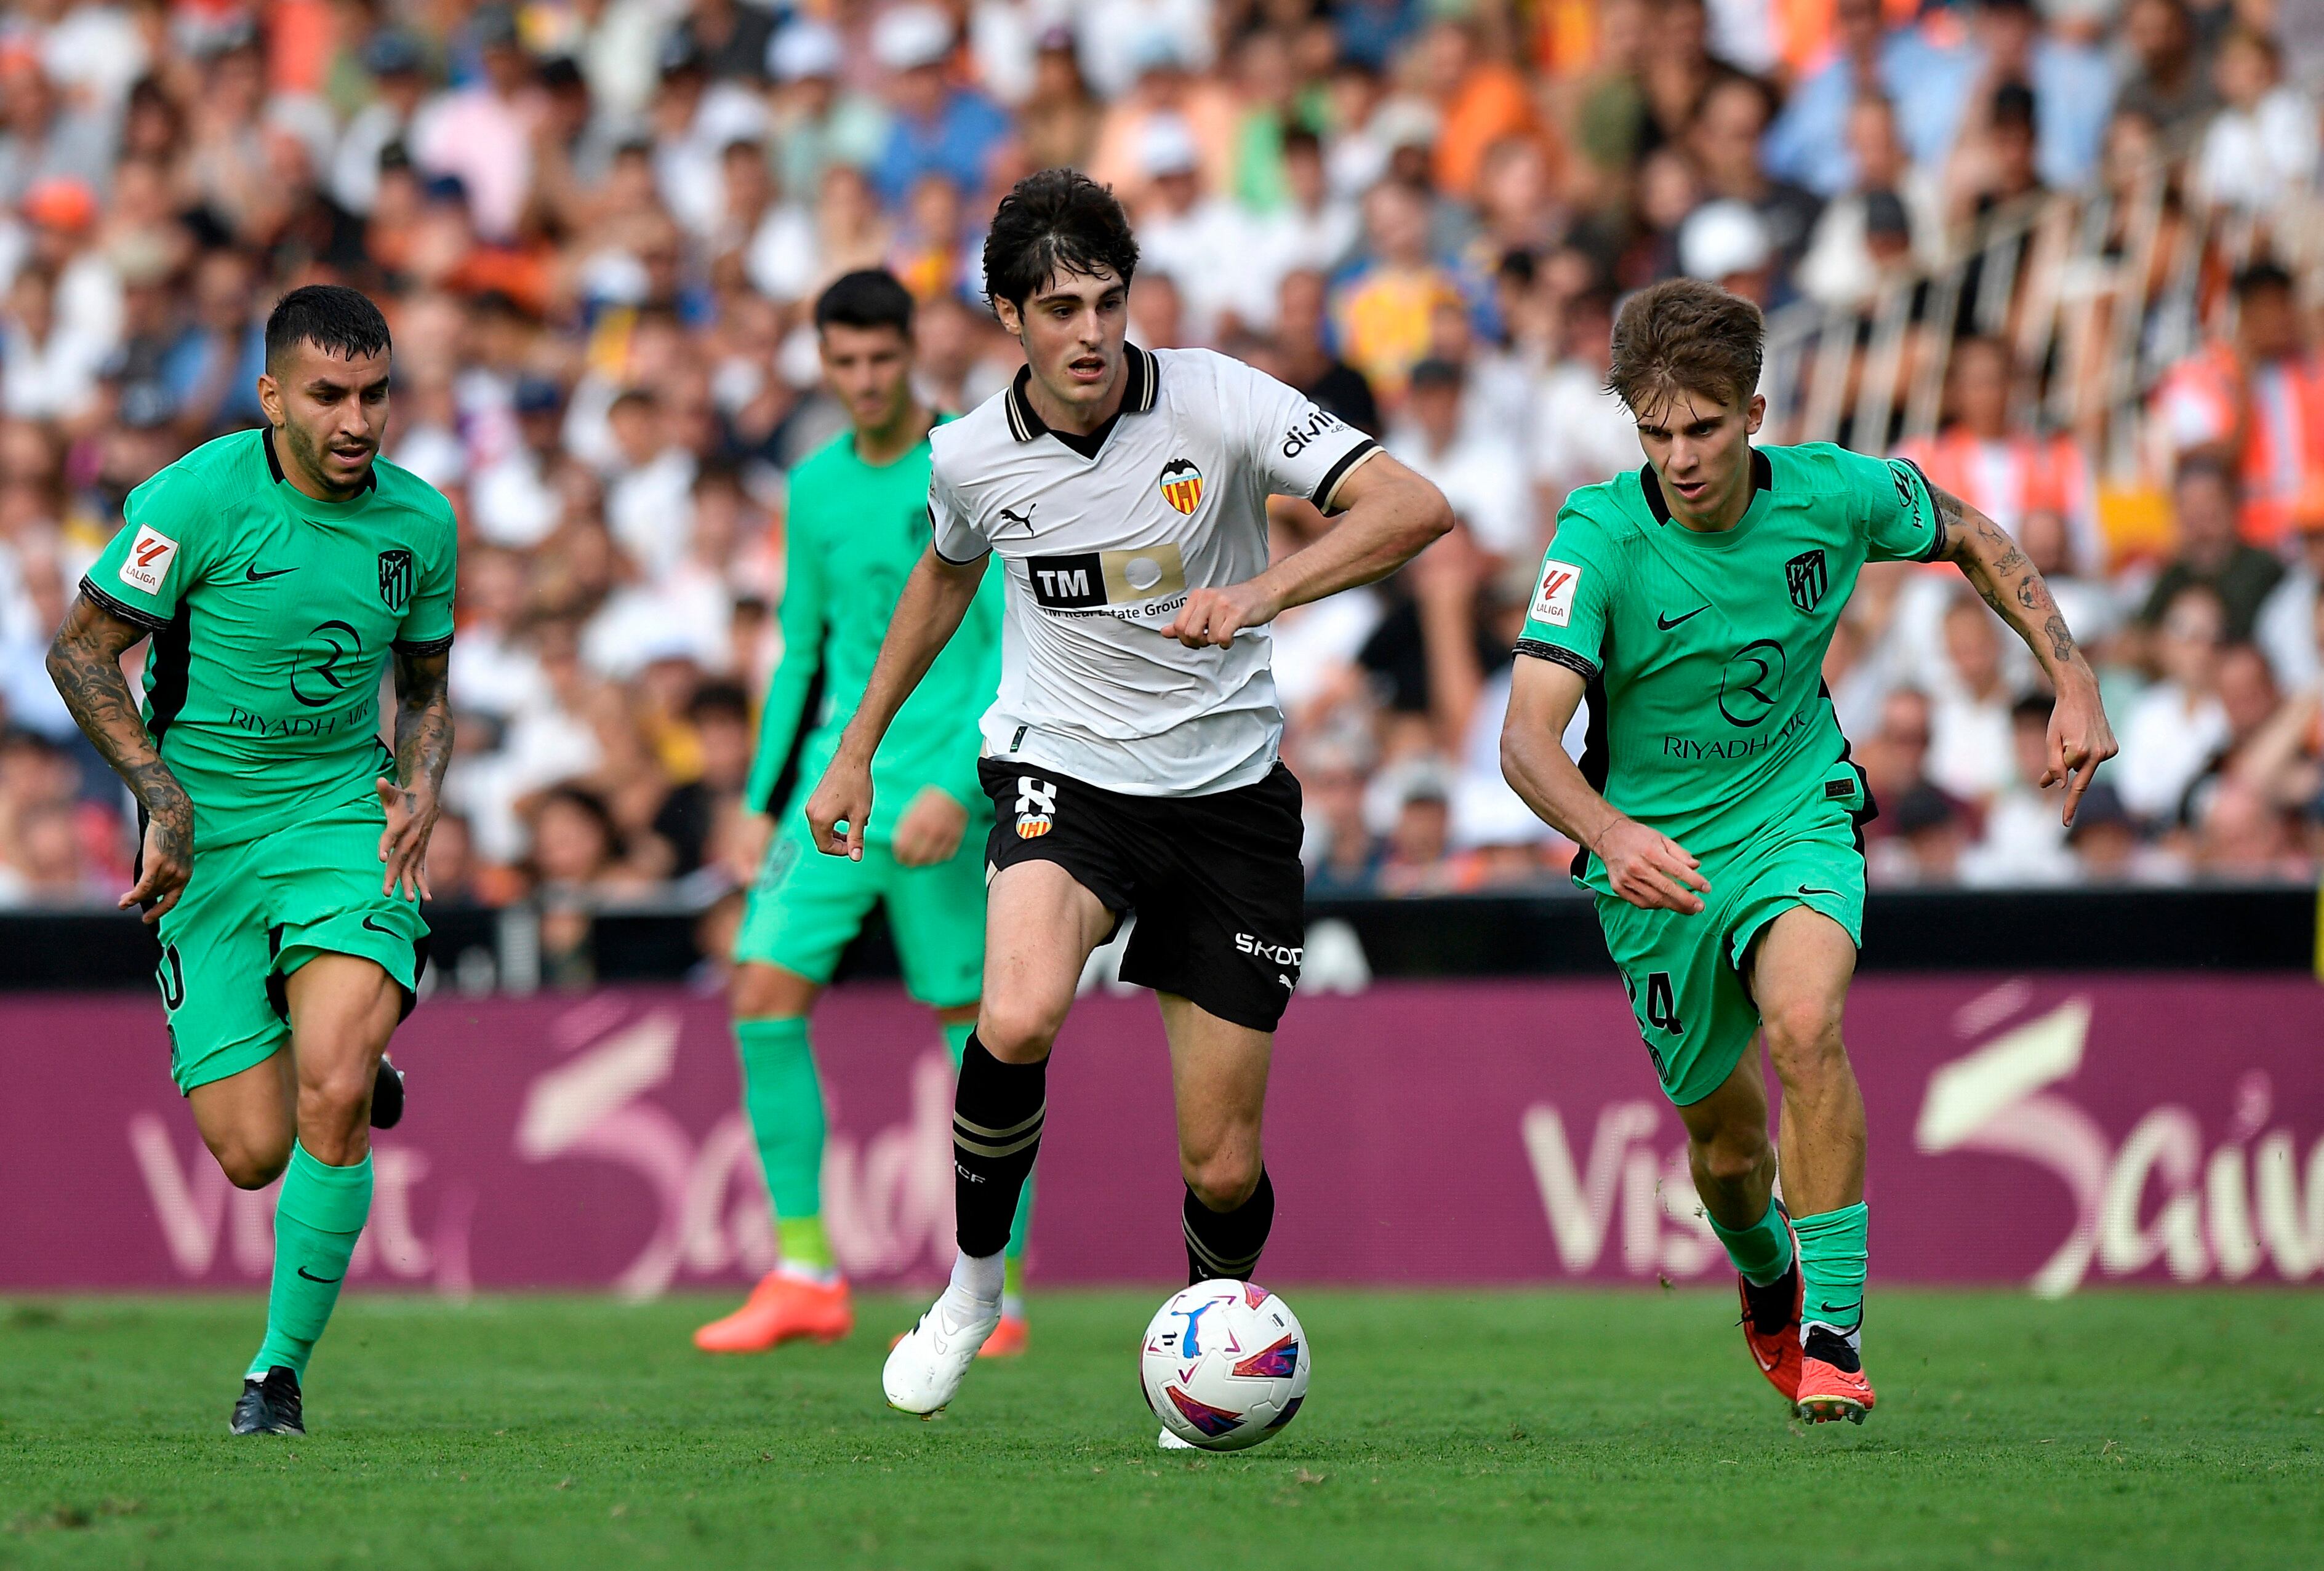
(251, 1164)
(1017, 1030)
(1221, 1180)
(336, 1094)
(764, 992)
(1803, 1039)
(1731, 1156)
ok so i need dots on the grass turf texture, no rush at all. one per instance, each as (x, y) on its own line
(1443, 1430)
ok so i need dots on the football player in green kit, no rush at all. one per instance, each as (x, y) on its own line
(858, 522)
(278, 572)
(1719, 815)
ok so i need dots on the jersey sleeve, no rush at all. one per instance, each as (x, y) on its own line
(1893, 500)
(1573, 595)
(162, 547)
(1302, 449)
(958, 539)
(427, 627)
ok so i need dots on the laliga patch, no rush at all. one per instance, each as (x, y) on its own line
(1552, 597)
(148, 562)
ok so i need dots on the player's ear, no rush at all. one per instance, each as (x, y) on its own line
(270, 398)
(1755, 413)
(1012, 321)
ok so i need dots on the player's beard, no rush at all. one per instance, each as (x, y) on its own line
(311, 454)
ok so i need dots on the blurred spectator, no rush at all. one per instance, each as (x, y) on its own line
(1971, 755)
(2024, 836)
(2262, 146)
(1306, 358)
(1891, 214)
(1582, 432)
(1725, 142)
(939, 128)
(1479, 472)
(2004, 472)
(2256, 400)
(2209, 555)
(2179, 724)
(2168, 83)
(1926, 840)
(2285, 627)
(1382, 311)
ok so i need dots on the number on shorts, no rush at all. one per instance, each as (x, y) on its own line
(173, 977)
(1662, 1005)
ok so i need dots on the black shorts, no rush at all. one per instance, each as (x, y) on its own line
(1215, 881)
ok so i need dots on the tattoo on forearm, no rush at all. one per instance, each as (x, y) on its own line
(85, 663)
(2004, 577)
(423, 719)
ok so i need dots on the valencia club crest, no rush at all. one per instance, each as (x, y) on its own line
(1182, 484)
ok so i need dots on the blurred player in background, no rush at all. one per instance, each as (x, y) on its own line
(858, 521)
(276, 573)
(1717, 811)
(1131, 754)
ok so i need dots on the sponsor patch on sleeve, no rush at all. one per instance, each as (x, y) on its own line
(147, 565)
(1552, 597)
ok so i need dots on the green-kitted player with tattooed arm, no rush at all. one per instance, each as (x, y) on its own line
(284, 851)
(1719, 815)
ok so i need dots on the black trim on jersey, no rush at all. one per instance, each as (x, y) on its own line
(786, 780)
(123, 608)
(172, 648)
(1557, 654)
(1763, 478)
(1864, 814)
(274, 464)
(1144, 386)
(1597, 757)
(939, 550)
(1339, 471)
(1936, 517)
(422, 648)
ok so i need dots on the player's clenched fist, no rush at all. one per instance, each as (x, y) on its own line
(1215, 616)
(1649, 869)
(843, 796)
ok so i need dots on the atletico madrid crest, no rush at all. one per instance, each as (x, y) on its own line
(1182, 484)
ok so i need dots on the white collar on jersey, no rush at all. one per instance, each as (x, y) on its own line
(1145, 374)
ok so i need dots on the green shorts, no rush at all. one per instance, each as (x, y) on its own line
(251, 914)
(1684, 973)
(807, 906)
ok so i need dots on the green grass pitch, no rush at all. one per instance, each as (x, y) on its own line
(1443, 1430)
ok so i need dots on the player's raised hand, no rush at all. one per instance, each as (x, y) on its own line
(403, 846)
(843, 796)
(166, 861)
(1651, 870)
(2081, 739)
(1215, 616)
(930, 830)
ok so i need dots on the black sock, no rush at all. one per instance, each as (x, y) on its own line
(1227, 1243)
(996, 1132)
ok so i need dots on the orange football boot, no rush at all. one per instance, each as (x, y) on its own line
(781, 1309)
(1832, 1381)
(1009, 1339)
(1770, 1328)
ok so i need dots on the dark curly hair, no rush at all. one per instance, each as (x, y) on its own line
(1057, 221)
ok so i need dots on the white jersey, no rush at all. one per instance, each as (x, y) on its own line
(1102, 537)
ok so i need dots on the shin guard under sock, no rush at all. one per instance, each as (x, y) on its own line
(996, 1131)
(1227, 1243)
(317, 1217)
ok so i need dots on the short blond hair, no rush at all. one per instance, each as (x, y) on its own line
(1684, 336)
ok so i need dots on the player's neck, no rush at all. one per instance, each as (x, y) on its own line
(1077, 419)
(879, 446)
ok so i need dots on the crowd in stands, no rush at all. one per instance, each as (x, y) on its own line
(596, 227)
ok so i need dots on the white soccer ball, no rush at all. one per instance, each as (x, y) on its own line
(1224, 1365)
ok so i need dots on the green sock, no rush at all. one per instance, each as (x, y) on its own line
(1761, 1251)
(1831, 1269)
(317, 1217)
(783, 1097)
(956, 1035)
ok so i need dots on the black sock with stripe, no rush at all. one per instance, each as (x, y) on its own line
(996, 1132)
(1227, 1243)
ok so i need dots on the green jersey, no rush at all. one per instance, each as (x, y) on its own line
(1708, 719)
(272, 616)
(854, 534)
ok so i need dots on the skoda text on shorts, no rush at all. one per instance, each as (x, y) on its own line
(1130, 755)
(276, 574)
(1690, 603)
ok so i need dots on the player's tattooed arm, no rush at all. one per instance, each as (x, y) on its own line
(85, 663)
(423, 747)
(2081, 739)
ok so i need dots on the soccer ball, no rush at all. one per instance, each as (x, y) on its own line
(1224, 1365)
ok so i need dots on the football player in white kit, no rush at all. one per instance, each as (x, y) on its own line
(1131, 754)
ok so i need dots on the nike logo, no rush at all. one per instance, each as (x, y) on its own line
(373, 922)
(1829, 1310)
(1803, 889)
(326, 1280)
(252, 575)
(1666, 623)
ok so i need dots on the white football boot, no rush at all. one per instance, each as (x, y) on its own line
(924, 1370)
(1170, 1442)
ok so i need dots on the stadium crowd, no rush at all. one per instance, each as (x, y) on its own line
(596, 227)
